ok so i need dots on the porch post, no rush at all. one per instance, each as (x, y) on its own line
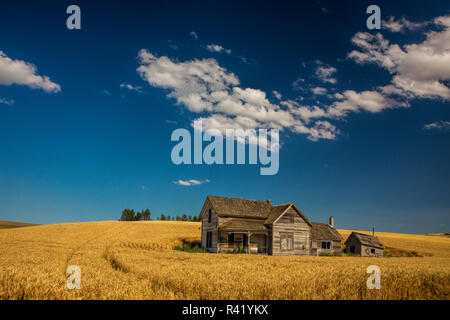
(266, 250)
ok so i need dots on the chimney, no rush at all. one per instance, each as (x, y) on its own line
(373, 232)
(269, 202)
(331, 223)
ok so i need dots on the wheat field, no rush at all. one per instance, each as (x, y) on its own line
(136, 260)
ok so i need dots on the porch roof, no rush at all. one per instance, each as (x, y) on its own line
(244, 225)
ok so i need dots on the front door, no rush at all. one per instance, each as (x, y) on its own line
(231, 238)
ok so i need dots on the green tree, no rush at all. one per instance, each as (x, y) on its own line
(163, 217)
(127, 215)
(184, 217)
(147, 214)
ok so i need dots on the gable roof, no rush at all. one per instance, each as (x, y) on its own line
(367, 240)
(239, 208)
(276, 212)
(244, 225)
(323, 231)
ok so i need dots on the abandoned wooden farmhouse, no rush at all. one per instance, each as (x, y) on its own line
(256, 226)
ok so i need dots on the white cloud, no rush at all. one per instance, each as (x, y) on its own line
(193, 34)
(306, 113)
(403, 24)
(217, 48)
(324, 72)
(204, 86)
(369, 101)
(438, 125)
(8, 102)
(24, 73)
(419, 70)
(319, 91)
(320, 130)
(298, 84)
(191, 182)
(131, 87)
(248, 61)
(277, 94)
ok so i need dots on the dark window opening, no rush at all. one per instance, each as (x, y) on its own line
(372, 250)
(326, 245)
(209, 239)
(352, 249)
(209, 215)
(231, 238)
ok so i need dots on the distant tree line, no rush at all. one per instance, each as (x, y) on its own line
(130, 215)
(184, 217)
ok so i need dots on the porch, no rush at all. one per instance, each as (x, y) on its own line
(242, 242)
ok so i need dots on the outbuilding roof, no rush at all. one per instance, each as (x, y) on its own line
(367, 240)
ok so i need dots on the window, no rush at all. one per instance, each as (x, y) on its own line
(372, 250)
(326, 244)
(209, 239)
(287, 242)
(231, 238)
(209, 215)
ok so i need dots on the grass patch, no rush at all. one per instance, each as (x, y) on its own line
(193, 246)
(330, 254)
(395, 252)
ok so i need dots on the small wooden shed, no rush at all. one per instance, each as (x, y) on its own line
(364, 245)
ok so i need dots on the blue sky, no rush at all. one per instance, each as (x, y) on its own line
(364, 124)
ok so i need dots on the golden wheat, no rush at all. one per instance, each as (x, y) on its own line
(136, 260)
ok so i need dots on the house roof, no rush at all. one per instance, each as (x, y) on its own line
(276, 211)
(250, 209)
(323, 231)
(240, 208)
(367, 240)
(244, 225)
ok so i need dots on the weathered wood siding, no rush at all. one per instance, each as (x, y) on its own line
(363, 250)
(353, 242)
(368, 251)
(317, 250)
(209, 227)
(290, 223)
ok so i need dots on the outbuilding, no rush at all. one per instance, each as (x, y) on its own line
(364, 245)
